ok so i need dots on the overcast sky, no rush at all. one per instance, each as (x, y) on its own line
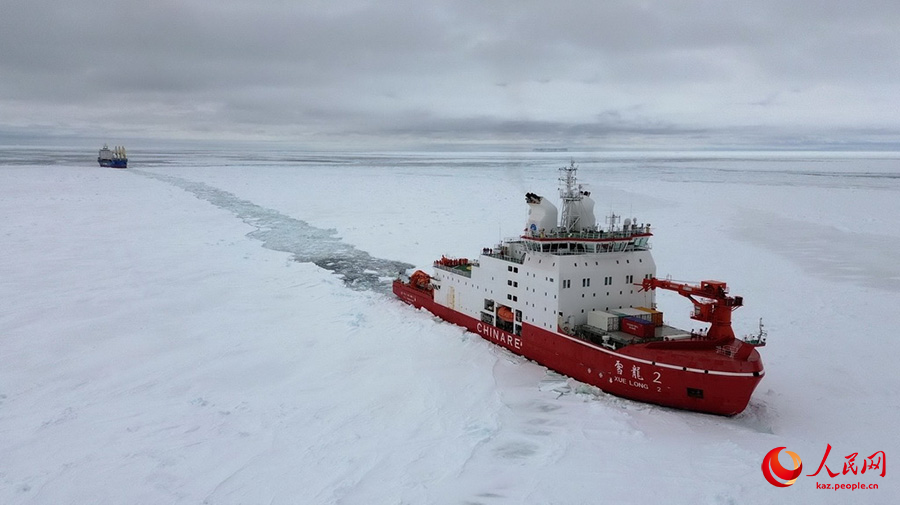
(573, 73)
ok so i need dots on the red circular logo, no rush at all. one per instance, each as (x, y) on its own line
(771, 465)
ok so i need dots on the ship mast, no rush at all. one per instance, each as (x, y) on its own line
(570, 195)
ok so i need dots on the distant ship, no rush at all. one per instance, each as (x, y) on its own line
(580, 299)
(115, 158)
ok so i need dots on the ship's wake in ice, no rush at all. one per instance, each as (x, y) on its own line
(308, 244)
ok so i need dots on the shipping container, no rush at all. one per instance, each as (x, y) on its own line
(603, 320)
(655, 315)
(629, 312)
(638, 327)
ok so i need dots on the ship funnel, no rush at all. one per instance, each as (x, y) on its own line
(581, 214)
(578, 207)
(542, 215)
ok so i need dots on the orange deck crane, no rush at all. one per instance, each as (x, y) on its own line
(712, 304)
(420, 280)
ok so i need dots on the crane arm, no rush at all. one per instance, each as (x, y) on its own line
(712, 303)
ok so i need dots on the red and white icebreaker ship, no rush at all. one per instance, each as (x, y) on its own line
(580, 299)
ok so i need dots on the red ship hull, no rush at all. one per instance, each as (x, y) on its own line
(692, 377)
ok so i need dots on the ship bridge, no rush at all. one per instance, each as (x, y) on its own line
(561, 242)
(576, 232)
(565, 243)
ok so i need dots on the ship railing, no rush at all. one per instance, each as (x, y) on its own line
(577, 248)
(729, 350)
(456, 270)
(506, 257)
(591, 234)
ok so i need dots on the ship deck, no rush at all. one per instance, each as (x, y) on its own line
(618, 339)
(464, 270)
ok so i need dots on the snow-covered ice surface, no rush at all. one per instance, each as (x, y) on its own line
(216, 327)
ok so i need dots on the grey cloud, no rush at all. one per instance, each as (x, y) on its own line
(504, 68)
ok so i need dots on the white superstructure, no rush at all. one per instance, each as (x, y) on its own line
(556, 273)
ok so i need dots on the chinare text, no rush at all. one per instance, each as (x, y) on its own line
(499, 336)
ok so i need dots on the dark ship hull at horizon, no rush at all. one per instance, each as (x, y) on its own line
(113, 163)
(114, 158)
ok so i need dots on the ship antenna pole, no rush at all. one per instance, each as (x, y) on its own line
(569, 195)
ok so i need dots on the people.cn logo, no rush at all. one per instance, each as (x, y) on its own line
(771, 468)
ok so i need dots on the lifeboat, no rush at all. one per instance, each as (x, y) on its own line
(452, 262)
(505, 313)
